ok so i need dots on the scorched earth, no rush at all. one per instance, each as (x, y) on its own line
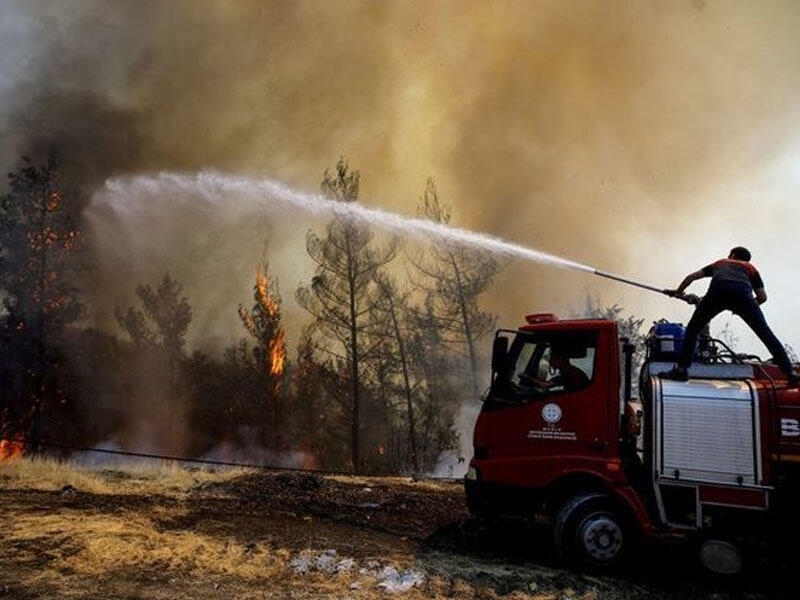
(170, 532)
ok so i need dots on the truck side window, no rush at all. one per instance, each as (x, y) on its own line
(556, 364)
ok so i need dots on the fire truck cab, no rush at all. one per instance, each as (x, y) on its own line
(559, 434)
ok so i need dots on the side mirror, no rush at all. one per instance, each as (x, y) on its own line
(499, 354)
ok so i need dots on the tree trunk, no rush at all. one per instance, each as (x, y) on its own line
(355, 424)
(412, 434)
(462, 304)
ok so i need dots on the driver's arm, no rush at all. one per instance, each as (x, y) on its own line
(539, 383)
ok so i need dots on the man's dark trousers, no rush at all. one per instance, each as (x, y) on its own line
(738, 299)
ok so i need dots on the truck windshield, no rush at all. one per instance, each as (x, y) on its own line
(555, 363)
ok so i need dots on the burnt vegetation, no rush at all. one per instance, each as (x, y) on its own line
(387, 355)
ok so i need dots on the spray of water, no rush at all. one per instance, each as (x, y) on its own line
(265, 194)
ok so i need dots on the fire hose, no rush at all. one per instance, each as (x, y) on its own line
(688, 298)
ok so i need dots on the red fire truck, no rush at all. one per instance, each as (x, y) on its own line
(559, 434)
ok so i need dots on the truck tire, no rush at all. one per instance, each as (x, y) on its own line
(589, 531)
(721, 556)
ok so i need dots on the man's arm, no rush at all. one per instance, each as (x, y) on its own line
(541, 384)
(687, 281)
(758, 287)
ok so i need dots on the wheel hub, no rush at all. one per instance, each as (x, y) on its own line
(601, 538)
(721, 557)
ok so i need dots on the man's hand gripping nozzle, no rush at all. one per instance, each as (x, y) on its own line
(688, 298)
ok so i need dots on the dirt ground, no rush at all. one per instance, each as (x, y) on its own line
(294, 535)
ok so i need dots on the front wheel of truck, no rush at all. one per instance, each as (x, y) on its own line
(589, 531)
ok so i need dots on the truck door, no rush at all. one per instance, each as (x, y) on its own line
(549, 403)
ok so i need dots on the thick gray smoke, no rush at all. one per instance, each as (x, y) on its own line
(640, 138)
(575, 127)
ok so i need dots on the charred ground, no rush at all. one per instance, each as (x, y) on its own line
(265, 534)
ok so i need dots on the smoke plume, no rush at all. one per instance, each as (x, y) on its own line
(569, 126)
(635, 137)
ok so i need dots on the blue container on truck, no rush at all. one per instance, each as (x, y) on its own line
(666, 341)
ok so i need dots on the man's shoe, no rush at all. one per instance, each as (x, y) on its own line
(676, 374)
(792, 380)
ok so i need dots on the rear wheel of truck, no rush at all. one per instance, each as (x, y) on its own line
(721, 557)
(590, 532)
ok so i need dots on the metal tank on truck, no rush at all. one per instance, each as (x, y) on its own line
(717, 456)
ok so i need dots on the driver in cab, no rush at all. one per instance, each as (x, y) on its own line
(566, 376)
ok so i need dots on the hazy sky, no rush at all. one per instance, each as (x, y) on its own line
(643, 138)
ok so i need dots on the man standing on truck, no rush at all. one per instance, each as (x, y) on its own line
(736, 285)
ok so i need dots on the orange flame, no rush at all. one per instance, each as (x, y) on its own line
(277, 352)
(277, 345)
(53, 201)
(264, 299)
(11, 449)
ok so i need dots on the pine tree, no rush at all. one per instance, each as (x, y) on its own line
(158, 333)
(308, 393)
(453, 279)
(342, 292)
(40, 246)
(393, 316)
(161, 323)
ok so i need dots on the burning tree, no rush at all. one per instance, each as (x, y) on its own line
(342, 294)
(263, 323)
(238, 401)
(41, 243)
(454, 277)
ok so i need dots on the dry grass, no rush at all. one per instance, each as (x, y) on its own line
(98, 544)
(407, 482)
(144, 532)
(84, 547)
(153, 477)
(80, 544)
